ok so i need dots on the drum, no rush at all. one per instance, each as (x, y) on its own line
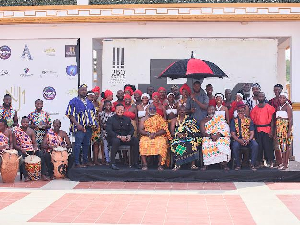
(33, 167)
(59, 158)
(9, 166)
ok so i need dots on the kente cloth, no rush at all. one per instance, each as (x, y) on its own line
(83, 111)
(103, 119)
(282, 128)
(216, 151)
(39, 118)
(275, 103)
(39, 136)
(4, 140)
(7, 114)
(96, 132)
(186, 148)
(242, 127)
(53, 139)
(158, 145)
(262, 117)
(23, 139)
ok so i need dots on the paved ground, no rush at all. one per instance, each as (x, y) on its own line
(64, 202)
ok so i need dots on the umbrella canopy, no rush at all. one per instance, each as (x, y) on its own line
(192, 68)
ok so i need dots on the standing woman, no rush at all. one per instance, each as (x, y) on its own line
(97, 131)
(160, 109)
(107, 95)
(103, 117)
(185, 92)
(171, 107)
(233, 108)
(284, 124)
(220, 108)
(137, 95)
(131, 112)
(142, 108)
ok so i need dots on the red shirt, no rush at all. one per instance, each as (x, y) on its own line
(262, 116)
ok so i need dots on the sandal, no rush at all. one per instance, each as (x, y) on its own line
(194, 167)
(145, 168)
(204, 168)
(160, 168)
(253, 168)
(237, 168)
(176, 168)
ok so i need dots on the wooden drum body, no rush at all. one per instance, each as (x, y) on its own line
(59, 158)
(9, 166)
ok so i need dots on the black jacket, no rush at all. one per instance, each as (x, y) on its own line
(119, 125)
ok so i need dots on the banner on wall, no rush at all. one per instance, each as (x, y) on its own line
(39, 69)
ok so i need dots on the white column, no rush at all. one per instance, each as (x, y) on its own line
(281, 66)
(295, 91)
(86, 61)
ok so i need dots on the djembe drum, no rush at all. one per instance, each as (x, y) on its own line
(33, 167)
(59, 158)
(10, 165)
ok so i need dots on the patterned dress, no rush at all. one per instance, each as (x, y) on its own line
(97, 132)
(23, 139)
(186, 148)
(3, 141)
(158, 145)
(8, 115)
(39, 119)
(216, 151)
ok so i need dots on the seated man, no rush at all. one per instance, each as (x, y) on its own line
(120, 132)
(24, 141)
(216, 139)
(242, 131)
(154, 139)
(5, 137)
(55, 138)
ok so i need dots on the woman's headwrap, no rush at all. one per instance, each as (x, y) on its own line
(155, 94)
(284, 93)
(129, 89)
(90, 93)
(240, 105)
(171, 93)
(82, 85)
(107, 93)
(256, 85)
(96, 89)
(127, 96)
(161, 89)
(139, 92)
(145, 95)
(185, 87)
(219, 95)
(240, 94)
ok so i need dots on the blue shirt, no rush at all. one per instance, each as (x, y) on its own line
(83, 111)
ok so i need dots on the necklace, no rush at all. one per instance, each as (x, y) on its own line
(180, 124)
(218, 108)
(172, 107)
(280, 107)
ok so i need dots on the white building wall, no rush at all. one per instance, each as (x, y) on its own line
(171, 29)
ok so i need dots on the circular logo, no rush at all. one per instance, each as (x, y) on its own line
(49, 93)
(5, 52)
(71, 70)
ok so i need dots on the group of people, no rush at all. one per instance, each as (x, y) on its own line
(180, 126)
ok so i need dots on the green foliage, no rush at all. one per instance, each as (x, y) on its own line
(36, 2)
(108, 2)
(288, 68)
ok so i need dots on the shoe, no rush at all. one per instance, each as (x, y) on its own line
(114, 167)
(27, 179)
(137, 166)
(237, 168)
(44, 178)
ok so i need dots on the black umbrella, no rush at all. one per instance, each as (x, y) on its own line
(192, 68)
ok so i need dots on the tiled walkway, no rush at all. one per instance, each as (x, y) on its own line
(64, 202)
